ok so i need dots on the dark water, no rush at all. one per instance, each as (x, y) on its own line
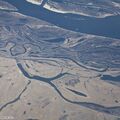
(109, 27)
(111, 78)
(38, 77)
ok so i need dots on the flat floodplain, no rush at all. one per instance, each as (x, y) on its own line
(58, 62)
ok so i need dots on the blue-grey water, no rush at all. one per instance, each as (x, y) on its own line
(109, 27)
